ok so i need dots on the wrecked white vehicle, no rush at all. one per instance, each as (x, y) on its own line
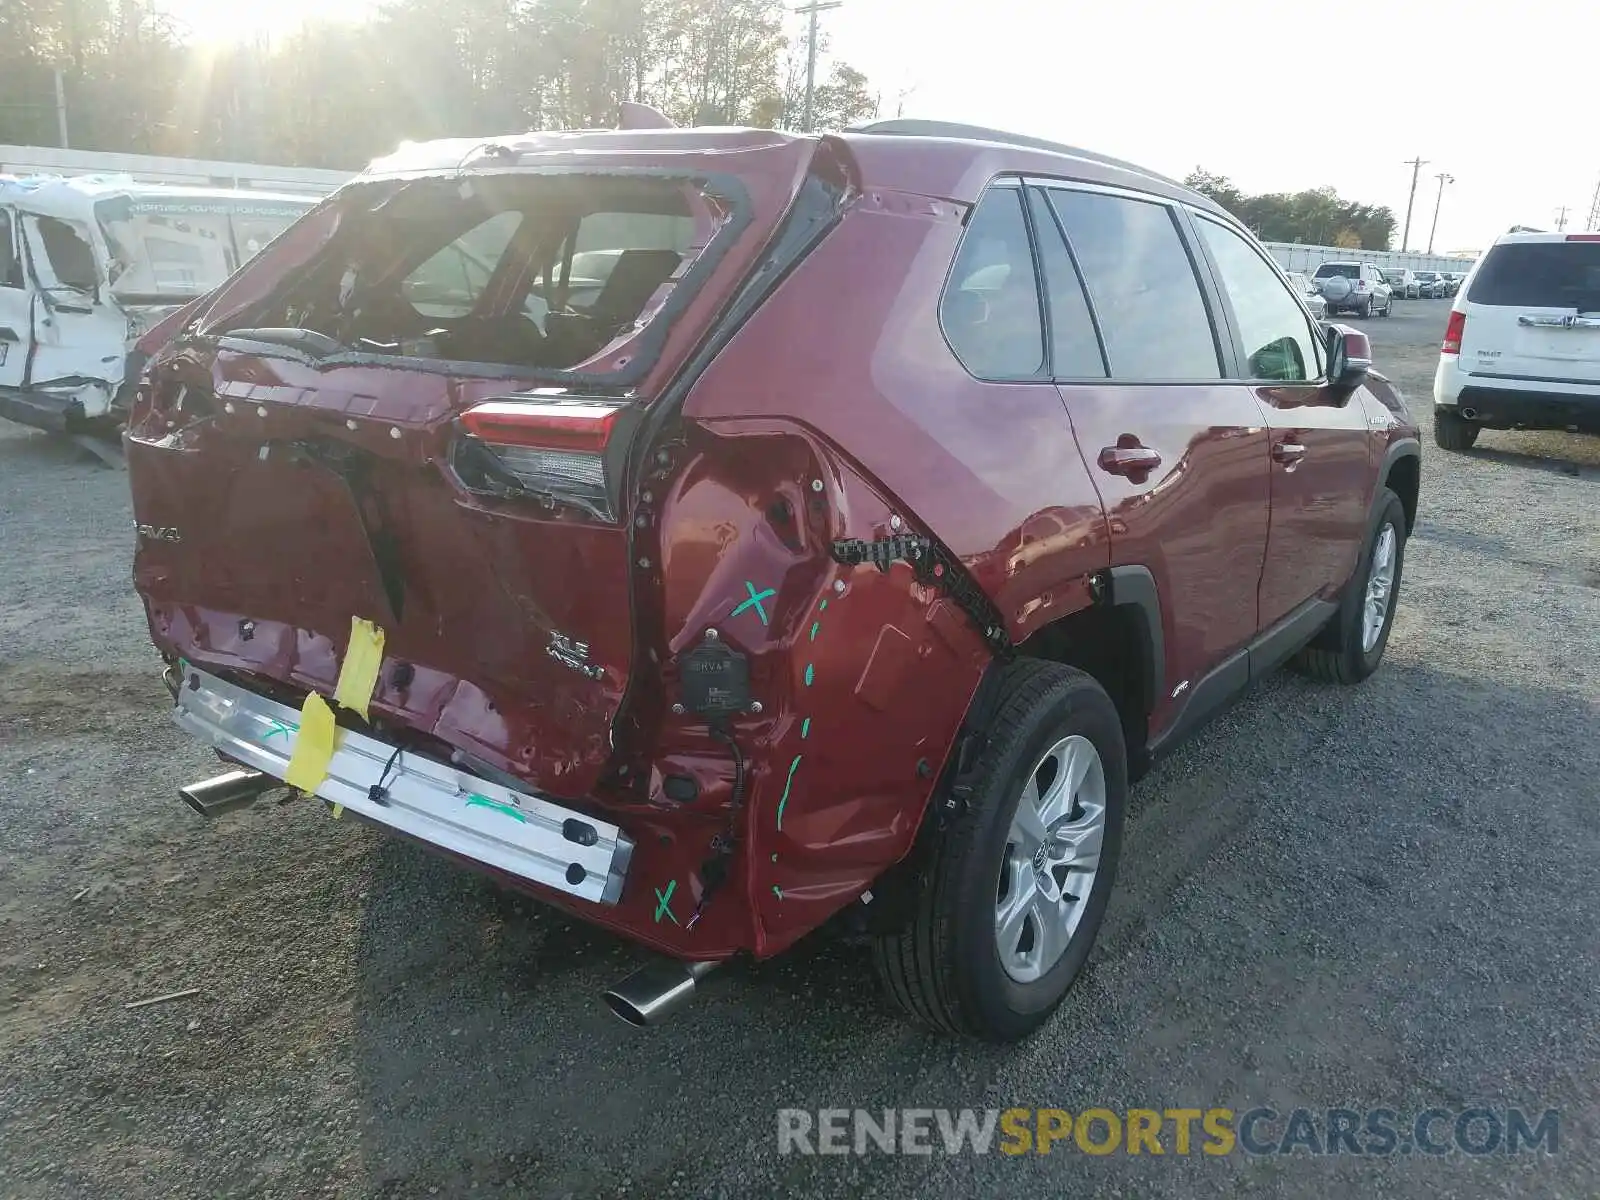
(88, 264)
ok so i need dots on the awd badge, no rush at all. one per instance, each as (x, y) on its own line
(159, 533)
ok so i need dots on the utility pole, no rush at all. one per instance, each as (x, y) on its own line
(811, 10)
(61, 112)
(1416, 165)
(1594, 209)
(1443, 179)
(900, 107)
(1561, 219)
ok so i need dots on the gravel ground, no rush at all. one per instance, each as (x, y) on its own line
(1385, 896)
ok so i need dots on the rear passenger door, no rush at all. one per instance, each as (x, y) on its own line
(1321, 469)
(1178, 452)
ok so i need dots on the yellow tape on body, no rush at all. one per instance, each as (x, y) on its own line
(319, 732)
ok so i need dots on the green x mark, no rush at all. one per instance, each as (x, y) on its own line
(274, 728)
(664, 903)
(755, 601)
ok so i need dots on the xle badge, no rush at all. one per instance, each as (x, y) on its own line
(574, 654)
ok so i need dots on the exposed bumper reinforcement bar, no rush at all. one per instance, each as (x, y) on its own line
(514, 831)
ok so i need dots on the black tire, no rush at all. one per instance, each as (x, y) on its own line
(943, 968)
(1336, 655)
(1365, 311)
(1452, 431)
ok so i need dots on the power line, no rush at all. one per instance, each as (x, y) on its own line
(1594, 209)
(1416, 165)
(812, 10)
(1561, 218)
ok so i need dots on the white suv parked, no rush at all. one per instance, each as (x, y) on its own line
(1357, 287)
(1522, 348)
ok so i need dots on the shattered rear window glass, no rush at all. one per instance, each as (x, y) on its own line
(538, 271)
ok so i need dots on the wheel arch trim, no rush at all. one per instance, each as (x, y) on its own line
(1400, 450)
(1135, 587)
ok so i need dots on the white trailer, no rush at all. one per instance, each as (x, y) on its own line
(1295, 256)
(186, 172)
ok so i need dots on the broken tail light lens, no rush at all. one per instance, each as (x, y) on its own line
(558, 452)
(1453, 330)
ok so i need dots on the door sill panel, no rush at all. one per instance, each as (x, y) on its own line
(1232, 677)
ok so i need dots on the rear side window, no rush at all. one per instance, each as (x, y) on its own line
(1540, 275)
(1142, 285)
(990, 307)
(449, 283)
(1074, 345)
(1276, 335)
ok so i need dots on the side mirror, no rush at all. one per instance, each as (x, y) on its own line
(1349, 358)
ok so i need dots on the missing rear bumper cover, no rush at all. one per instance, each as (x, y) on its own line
(933, 567)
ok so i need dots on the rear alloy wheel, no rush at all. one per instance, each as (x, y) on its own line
(1051, 859)
(1352, 645)
(1452, 431)
(1008, 905)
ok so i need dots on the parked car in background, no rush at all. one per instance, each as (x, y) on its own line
(642, 605)
(1308, 292)
(1453, 281)
(89, 264)
(1403, 282)
(1522, 346)
(1432, 284)
(1356, 287)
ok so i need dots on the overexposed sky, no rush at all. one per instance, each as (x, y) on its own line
(1278, 95)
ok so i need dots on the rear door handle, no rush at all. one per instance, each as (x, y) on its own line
(1129, 460)
(1288, 452)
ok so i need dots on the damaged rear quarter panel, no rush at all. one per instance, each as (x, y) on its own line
(863, 676)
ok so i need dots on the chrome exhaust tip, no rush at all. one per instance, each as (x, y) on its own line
(1469, 414)
(657, 990)
(236, 789)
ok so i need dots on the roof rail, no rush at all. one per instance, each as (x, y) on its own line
(951, 129)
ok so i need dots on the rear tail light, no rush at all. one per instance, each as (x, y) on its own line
(563, 453)
(1453, 330)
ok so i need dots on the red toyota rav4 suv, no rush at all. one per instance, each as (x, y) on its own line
(715, 531)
